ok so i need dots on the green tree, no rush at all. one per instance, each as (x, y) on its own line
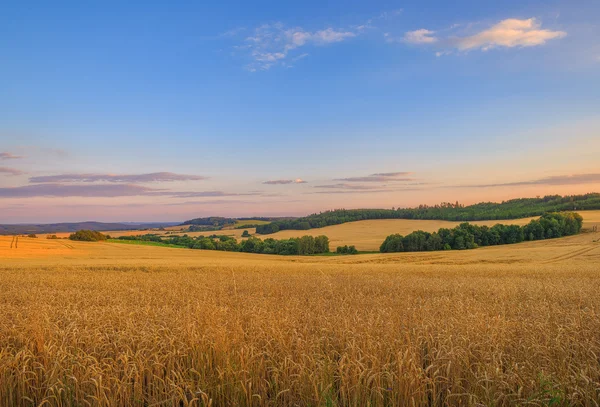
(392, 244)
(87, 236)
(321, 244)
(306, 245)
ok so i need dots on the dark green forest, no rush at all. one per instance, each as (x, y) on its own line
(213, 221)
(468, 236)
(512, 209)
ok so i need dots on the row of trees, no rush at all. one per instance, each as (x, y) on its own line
(468, 236)
(346, 250)
(88, 236)
(512, 209)
(305, 245)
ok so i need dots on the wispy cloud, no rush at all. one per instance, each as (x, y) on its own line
(116, 178)
(212, 202)
(285, 181)
(111, 190)
(60, 190)
(421, 36)
(391, 174)
(575, 179)
(277, 44)
(233, 32)
(10, 171)
(212, 194)
(380, 177)
(334, 192)
(9, 156)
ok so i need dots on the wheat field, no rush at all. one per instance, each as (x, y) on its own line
(105, 324)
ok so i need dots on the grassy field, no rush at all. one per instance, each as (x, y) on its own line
(143, 243)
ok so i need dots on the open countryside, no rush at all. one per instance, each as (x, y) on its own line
(366, 235)
(379, 329)
(300, 204)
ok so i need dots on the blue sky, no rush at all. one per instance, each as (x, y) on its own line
(465, 101)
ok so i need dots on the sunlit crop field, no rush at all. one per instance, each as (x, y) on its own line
(120, 325)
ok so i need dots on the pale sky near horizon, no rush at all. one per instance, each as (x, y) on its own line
(172, 110)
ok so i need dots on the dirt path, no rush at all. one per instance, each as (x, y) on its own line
(571, 255)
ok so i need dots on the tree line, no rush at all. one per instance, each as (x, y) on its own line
(213, 221)
(469, 236)
(305, 245)
(512, 209)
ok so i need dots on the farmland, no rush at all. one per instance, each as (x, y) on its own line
(116, 324)
(366, 235)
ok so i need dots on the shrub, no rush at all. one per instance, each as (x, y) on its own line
(87, 236)
(346, 250)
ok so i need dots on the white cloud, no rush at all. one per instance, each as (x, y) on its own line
(274, 44)
(330, 36)
(421, 36)
(509, 33)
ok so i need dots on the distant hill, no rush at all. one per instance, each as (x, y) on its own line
(75, 226)
(511, 209)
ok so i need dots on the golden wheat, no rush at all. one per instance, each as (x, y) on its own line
(105, 324)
